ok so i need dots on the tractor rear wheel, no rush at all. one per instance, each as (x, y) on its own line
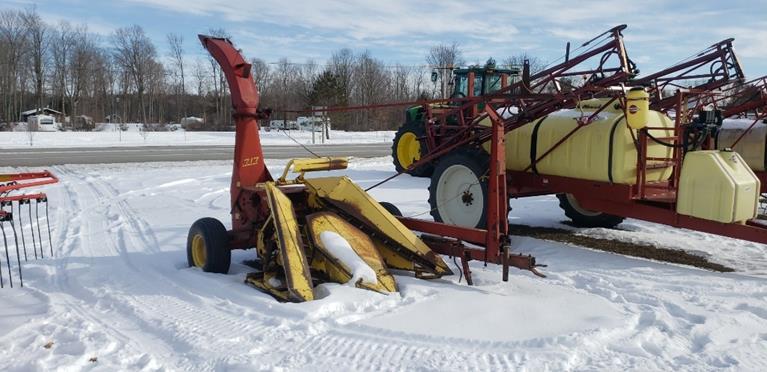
(207, 246)
(408, 147)
(582, 217)
(458, 191)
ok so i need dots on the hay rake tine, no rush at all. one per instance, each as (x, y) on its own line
(32, 230)
(7, 257)
(16, 243)
(37, 220)
(48, 223)
(21, 228)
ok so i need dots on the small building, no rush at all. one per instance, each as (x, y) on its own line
(57, 115)
(42, 123)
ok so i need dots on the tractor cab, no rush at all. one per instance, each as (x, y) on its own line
(478, 80)
(467, 82)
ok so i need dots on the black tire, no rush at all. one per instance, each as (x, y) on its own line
(417, 129)
(218, 255)
(391, 208)
(477, 162)
(581, 218)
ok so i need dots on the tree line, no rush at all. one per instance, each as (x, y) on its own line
(122, 78)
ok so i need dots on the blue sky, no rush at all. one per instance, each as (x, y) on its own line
(660, 32)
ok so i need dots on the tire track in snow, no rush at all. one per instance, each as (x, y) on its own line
(77, 328)
(178, 323)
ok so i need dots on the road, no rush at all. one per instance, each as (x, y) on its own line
(94, 155)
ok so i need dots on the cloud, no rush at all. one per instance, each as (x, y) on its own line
(659, 31)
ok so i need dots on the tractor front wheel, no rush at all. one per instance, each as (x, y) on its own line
(408, 147)
(458, 192)
(582, 217)
(207, 246)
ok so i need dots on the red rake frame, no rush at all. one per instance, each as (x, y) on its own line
(9, 185)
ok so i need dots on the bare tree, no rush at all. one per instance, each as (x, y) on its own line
(443, 58)
(135, 52)
(223, 108)
(63, 66)
(176, 50)
(37, 31)
(536, 64)
(79, 68)
(371, 87)
(260, 71)
(13, 41)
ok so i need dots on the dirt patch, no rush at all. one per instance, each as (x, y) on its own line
(616, 246)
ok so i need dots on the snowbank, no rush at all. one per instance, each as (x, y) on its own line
(133, 137)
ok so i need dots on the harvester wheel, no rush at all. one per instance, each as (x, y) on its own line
(458, 190)
(582, 217)
(391, 208)
(408, 147)
(207, 246)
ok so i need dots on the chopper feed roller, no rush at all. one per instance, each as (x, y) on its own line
(11, 204)
(305, 230)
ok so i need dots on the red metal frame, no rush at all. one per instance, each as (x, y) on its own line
(10, 183)
(17, 181)
(249, 168)
(717, 66)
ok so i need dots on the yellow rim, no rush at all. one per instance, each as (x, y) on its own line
(408, 149)
(198, 251)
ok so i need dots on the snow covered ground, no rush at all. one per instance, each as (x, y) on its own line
(111, 138)
(119, 290)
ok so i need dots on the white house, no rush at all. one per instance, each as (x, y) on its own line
(43, 123)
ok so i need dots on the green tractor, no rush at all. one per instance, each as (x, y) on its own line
(411, 140)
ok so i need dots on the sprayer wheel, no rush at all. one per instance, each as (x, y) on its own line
(582, 217)
(207, 246)
(408, 146)
(458, 191)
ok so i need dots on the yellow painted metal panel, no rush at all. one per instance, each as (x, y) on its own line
(290, 244)
(344, 194)
(303, 165)
(718, 186)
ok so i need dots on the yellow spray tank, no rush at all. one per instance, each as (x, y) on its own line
(603, 150)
